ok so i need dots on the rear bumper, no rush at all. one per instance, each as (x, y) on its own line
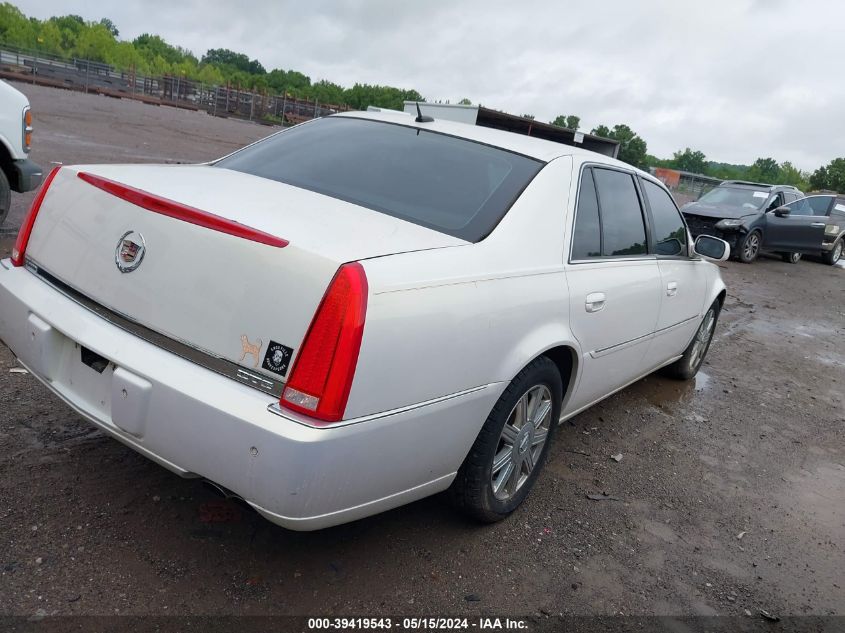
(27, 175)
(198, 423)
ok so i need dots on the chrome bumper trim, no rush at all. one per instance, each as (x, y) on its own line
(276, 409)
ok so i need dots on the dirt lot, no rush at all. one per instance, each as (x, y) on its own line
(74, 128)
(731, 488)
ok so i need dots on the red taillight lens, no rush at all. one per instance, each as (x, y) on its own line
(322, 375)
(19, 251)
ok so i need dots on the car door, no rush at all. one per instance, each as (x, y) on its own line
(614, 284)
(683, 279)
(800, 231)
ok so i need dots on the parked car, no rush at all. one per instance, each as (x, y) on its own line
(17, 171)
(742, 213)
(359, 311)
(822, 212)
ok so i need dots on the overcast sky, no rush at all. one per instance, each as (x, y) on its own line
(737, 79)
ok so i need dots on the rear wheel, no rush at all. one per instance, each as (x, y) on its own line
(749, 248)
(792, 258)
(688, 365)
(509, 452)
(5, 197)
(834, 254)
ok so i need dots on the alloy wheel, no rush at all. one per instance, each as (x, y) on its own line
(751, 246)
(837, 251)
(521, 442)
(702, 338)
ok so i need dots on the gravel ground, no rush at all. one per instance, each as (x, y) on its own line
(75, 129)
(731, 487)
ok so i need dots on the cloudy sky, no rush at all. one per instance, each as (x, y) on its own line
(737, 79)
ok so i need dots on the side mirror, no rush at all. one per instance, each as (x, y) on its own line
(782, 212)
(712, 248)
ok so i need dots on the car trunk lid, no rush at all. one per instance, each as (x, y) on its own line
(241, 289)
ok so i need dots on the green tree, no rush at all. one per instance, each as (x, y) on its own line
(632, 149)
(70, 36)
(830, 177)
(225, 57)
(110, 27)
(95, 43)
(15, 28)
(690, 160)
(791, 175)
(464, 101)
(528, 116)
(152, 46)
(765, 170)
(287, 80)
(569, 121)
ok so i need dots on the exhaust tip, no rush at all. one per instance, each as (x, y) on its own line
(222, 491)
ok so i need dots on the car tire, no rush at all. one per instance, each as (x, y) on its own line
(749, 248)
(834, 254)
(5, 197)
(791, 258)
(688, 365)
(484, 488)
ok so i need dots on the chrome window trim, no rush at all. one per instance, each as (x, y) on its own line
(610, 260)
(646, 212)
(276, 409)
(621, 258)
(221, 366)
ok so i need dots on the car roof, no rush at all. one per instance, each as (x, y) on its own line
(755, 185)
(530, 146)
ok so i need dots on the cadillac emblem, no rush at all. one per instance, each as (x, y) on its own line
(130, 251)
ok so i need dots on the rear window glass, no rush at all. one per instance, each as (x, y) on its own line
(448, 184)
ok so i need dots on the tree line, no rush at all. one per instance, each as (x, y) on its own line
(634, 150)
(72, 36)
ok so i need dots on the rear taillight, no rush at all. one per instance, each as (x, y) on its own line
(19, 251)
(322, 375)
(27, 130)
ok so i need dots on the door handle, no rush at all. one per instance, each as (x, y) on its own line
(672, 288)
(595, 302)
(817, 224)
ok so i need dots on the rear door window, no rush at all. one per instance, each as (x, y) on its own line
(668, 229)
(586, 238)
(623, 226)
(820, 205)
(800, 207)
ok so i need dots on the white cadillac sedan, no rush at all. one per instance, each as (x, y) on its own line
(357, 312)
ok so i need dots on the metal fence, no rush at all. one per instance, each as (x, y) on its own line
(685, 186)
(695, 185)
(228, 100)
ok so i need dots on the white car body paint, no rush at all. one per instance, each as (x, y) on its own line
(449, 323)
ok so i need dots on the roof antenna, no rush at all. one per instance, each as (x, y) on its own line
(420, 118)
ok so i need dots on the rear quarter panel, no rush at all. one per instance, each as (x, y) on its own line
(446, 320)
